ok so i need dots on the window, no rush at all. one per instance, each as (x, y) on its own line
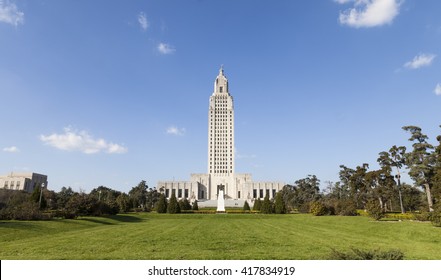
(12, 185)
(186, 193)
(6, 184)
(221, 89)
(238, 194)
(167, 192)
(254, 193)
(179, 193)
(274, 193)
(267, 193)
(174, 192)
(261, 193)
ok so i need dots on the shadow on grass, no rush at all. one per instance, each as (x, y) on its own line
(112, 220)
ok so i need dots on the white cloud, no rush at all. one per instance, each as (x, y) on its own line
(165, 48)
(369, 13)
(174, 130)
(142, 20)
(12, 149)
(10, 14)
(437, 90)
(81, 141)
(420, 61)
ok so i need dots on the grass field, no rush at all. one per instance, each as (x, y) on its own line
(192, 236)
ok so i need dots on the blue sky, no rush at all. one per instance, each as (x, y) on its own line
(114, 92)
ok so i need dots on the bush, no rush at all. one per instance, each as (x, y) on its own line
(161, 206)
(358, 254)
(173, 205)
(267, 207)
(279, 204)
(435, 216)
(246, 206)
(374, 210)
(195, 206)
(257, 205)
(345, 208)
(318, 208)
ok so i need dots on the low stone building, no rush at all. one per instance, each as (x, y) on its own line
(22, 181)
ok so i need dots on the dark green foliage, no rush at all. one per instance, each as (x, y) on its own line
(435, 216)
(358, 254)
(345, 207)
(161, 206)
(257, 205)
(246, 206)
(195, 206)
(173, 205)
(18, 205)
(279, 204)
(138, 196)
(184, 204)
(374, 210)
(267, 207)
(38, 197)
(318, 208)
(123, 202)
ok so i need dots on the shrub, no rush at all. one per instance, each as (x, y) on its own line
(374, 210)
(246, 206)
(173, 205)
(184, 204)
(279, 204)
(318, 208)
(257, 205)
(266, 207)
(195, 206)
(345, 208)
(161, 206)
(435, 216)
(358, 254)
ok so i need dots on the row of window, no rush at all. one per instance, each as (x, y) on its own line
(12, 184)
(179, 195)
(267, 193)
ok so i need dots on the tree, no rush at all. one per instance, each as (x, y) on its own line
(394, 158)
(257, 205)
(279, 204)
(173, 205)
(267, 207)
(246, 206)
(38, 197)
(161, 206)
(195, 206)
(305, 191)
(138, 195)
(184, 204)
(123, 202)
(421, 161)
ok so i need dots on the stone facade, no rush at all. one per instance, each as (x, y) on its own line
(221, 161)
(22, 181)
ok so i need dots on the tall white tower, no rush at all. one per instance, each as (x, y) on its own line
(221, 136)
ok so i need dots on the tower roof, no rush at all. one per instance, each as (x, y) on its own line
(221, 83)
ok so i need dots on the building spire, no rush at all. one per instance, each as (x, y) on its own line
(221, 82)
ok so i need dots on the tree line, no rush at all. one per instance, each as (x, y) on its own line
(376, 191)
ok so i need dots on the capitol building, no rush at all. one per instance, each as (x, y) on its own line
(221, 175)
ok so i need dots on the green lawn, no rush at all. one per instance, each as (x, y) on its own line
(230, 236)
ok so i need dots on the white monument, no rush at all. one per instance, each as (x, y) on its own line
(221, 200)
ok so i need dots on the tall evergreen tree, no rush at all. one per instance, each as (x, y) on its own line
(257, 205)
(267, 207)
(279, 204)
(161, 206)
(421, 161)
(173, 205)
(195, 206)
(246, 206)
